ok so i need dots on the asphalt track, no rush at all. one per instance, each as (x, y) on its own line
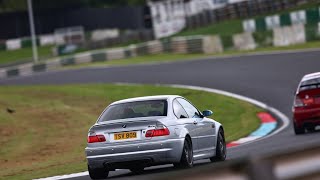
(270, 78)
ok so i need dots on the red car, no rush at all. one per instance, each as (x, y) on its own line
(306, 108)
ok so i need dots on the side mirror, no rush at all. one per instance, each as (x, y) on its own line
(207, 113)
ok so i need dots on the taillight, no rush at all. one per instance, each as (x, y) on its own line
(308, 101)
(303, 102)
(92, 138)
(298, 102)
(158, 132)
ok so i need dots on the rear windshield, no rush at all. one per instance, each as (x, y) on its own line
(135, 109)
(310, 84)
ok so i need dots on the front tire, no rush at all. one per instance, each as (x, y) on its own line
(298, 130)
(187, 155)
(98, 173)
(221, 149)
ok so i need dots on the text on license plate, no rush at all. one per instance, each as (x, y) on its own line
(125, 135)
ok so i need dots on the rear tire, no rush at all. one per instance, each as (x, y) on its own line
(98, 173)
(186, 160)
(137, 170)
(298, 130)
(221, 149)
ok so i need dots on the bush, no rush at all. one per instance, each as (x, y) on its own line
(2, 46)
(227, 42)
(26, 42)
(263, 38)
(312, 33)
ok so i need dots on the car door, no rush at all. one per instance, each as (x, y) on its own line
(186, 122)
(205, 127)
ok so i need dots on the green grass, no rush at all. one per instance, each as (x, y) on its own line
(226, 28)
(23, 54)
(230, 27)
(46, 135)
(167, 57)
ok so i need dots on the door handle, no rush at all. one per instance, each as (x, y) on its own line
(195, 122)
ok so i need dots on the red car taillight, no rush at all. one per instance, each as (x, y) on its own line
(96, 138)
(308, 101)
(298, 102)
(303, 102)
(158, 132)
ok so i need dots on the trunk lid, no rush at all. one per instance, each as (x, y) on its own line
(125, 131)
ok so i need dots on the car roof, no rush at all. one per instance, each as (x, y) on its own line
(146, 98)
(311, 76)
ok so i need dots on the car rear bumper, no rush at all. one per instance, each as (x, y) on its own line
(306, 117)
(144, 153)
(308, 122)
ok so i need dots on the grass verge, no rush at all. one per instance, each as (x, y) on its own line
(23, 54)
(234, 26)
(47, 134)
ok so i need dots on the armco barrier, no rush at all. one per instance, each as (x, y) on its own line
(155, 47)
(196, 44)
(52, 64)
(98, 56)
(309, 17)
(39, 67)
(289, 35)
(83, 58)
(212, 44)
(67, 61)
(205, 44)
(12, 72)
(291, 164)
(3, 73)
(179, 45)
(116, 54)
(25, 69)
(142, 49)
(244, 41)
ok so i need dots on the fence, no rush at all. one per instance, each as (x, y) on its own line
(310, 17)
(244, 9)
(294, 164)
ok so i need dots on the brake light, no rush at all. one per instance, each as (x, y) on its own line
(308, 101)
(158, 132)
(303, 102)
(96, 138)
(298, 102)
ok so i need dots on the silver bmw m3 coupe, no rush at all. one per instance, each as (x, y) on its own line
(141, 132)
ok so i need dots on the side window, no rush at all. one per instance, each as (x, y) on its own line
(190, 109)
(178, 110)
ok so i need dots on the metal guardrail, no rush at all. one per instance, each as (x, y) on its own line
(295, 164)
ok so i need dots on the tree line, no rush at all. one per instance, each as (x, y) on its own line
(21, 5)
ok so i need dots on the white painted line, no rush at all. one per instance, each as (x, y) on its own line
(285, 120)
(86, 173)
(245, 140)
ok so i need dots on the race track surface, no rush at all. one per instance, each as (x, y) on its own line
(271, 78)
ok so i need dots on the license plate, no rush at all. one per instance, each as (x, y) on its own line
(125, 135)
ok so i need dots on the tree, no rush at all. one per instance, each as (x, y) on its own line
(21, 5)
